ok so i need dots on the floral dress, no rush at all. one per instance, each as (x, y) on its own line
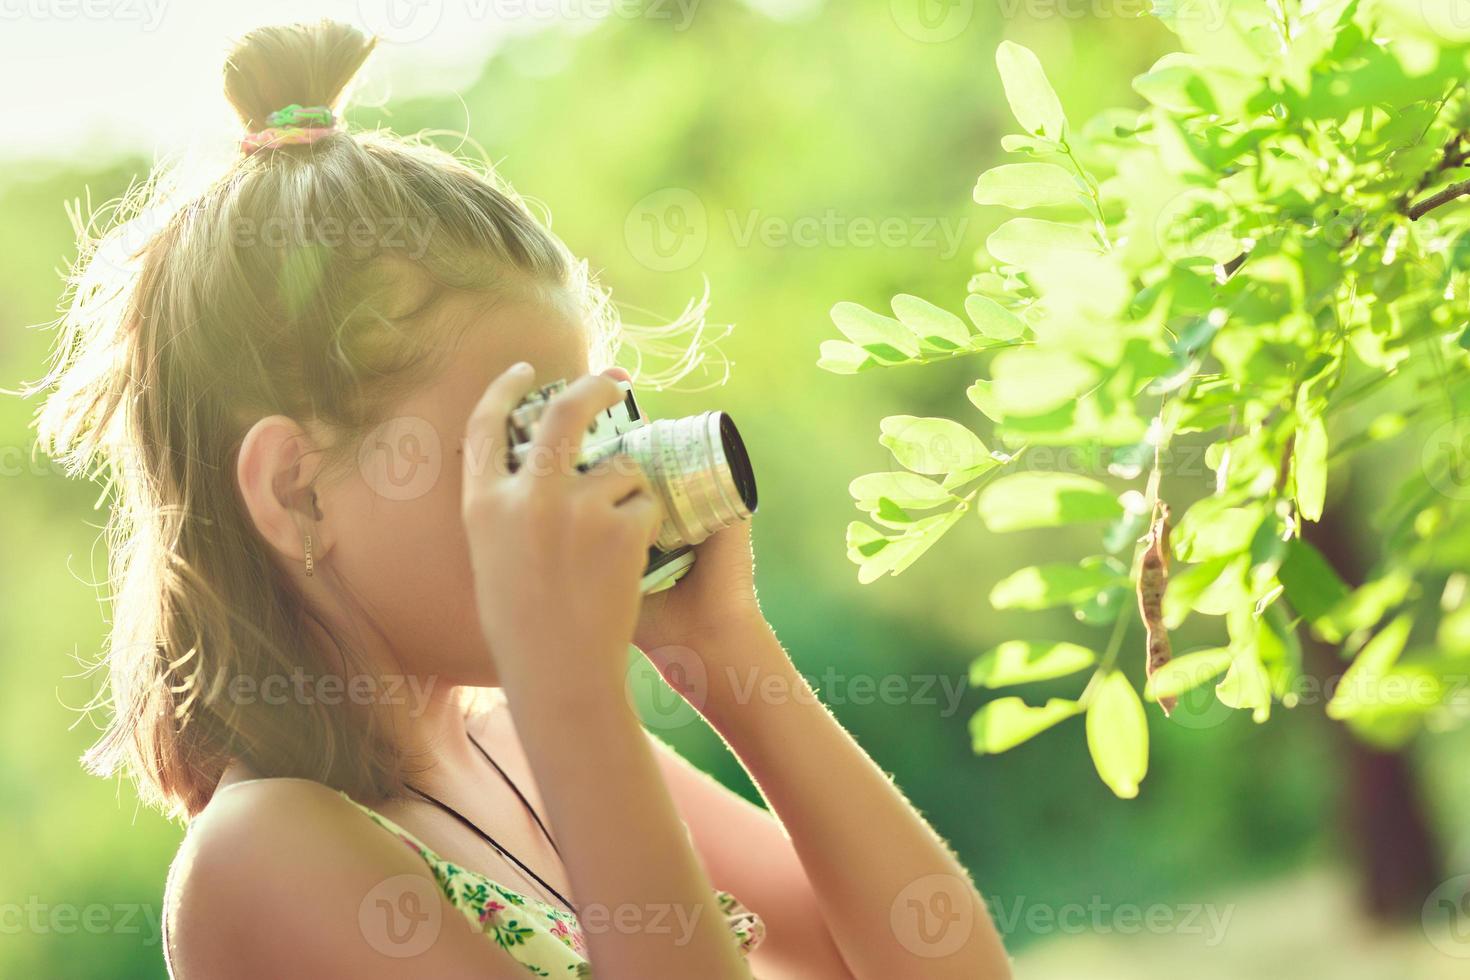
(546, 940)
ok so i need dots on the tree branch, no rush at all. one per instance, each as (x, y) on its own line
(1458, 189)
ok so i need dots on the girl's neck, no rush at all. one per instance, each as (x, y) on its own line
(436, 735)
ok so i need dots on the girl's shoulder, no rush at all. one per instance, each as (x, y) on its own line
(264, 820)
(270, 823)
(275, 857)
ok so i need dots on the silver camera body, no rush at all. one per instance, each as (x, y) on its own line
(697, 466)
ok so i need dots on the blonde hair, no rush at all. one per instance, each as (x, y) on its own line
(299, 283)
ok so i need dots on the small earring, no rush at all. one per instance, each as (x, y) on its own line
(310, 565)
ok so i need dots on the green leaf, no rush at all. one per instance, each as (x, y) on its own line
(1027, 500)
(909, 490)
(1207, 531)
(1176, 83)
(1019, 662)
(1310, 457)
(1032, 99)
(1102, 609)
(1185, 587)
(993, 320)
(1312, 585)
(902, 551)
(1032, 241)
(1246, 684)
(1007, 722)
(1187, 672)
(1453, 634)
(940, 328)
(959, 478)
(932, 445)
(1060, 584)
(982, 396)
(883, 337)
(1031, 381)
(889, 512)
(1365, 605)
(1037, 146)
(1362, 684)
(840, 357)
(864, 541)
(1027, 185)
(1117, 735)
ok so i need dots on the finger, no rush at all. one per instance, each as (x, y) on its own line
(615, 479)
(645, 511)
(569, 415)
(486, 442)
(618, 374)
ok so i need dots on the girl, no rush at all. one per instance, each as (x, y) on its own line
(389, 697)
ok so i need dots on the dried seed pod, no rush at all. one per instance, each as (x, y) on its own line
(1153, 578)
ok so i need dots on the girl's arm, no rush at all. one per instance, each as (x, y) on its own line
(557, 557)
(894, 900)
(749, 855)
(645, 903)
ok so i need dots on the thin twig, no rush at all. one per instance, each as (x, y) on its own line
(1458, 189)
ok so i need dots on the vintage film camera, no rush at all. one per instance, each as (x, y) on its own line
(697, 466)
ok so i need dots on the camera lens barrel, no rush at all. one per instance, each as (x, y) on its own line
(697, 464)
(699, 467)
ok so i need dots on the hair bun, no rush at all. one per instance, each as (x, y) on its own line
(303, 64)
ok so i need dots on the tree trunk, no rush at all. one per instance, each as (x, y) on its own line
(1383, 813)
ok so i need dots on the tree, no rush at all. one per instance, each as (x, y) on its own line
(1267, 263)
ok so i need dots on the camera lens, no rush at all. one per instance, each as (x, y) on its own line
(700, 469)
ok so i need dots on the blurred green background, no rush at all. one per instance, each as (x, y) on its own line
(793, 154)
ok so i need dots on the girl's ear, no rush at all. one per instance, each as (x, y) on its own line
(276, 471)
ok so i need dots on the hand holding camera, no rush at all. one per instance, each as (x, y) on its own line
(595, 507)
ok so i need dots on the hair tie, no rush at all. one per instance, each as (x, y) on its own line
(294, 125)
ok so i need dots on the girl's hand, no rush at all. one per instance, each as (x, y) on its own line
(557, 554)
(714, 601)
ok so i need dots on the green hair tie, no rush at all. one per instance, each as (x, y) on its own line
(315, 116)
